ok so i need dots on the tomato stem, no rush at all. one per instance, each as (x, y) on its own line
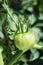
(38, 46)
(15, 58)
(20, 29)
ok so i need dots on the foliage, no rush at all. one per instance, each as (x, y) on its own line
(17, 15)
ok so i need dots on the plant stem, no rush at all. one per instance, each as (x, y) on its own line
(38, 46)
(7, 41)
(9, 13)
(15, 58)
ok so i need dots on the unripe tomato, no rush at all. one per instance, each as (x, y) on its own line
(24, 41)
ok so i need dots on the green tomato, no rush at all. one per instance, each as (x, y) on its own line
(24, 41)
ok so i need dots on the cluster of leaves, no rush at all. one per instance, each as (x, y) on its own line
(30, 14)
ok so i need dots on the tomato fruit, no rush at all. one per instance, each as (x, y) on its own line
(24, 41)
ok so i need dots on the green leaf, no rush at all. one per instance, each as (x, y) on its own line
(1, 34)
(37, 34)
(41, 57)
(39, 25)
(0, 0)
(23, 58)
(11, 23)
(2, 19)
(41, 8)
(28, 4)
(32, 19)
(40, 43)
(34, 54)
(40, 16)
(25, 63)
(30, 9)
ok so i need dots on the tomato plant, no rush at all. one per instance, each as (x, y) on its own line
(21, 31)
